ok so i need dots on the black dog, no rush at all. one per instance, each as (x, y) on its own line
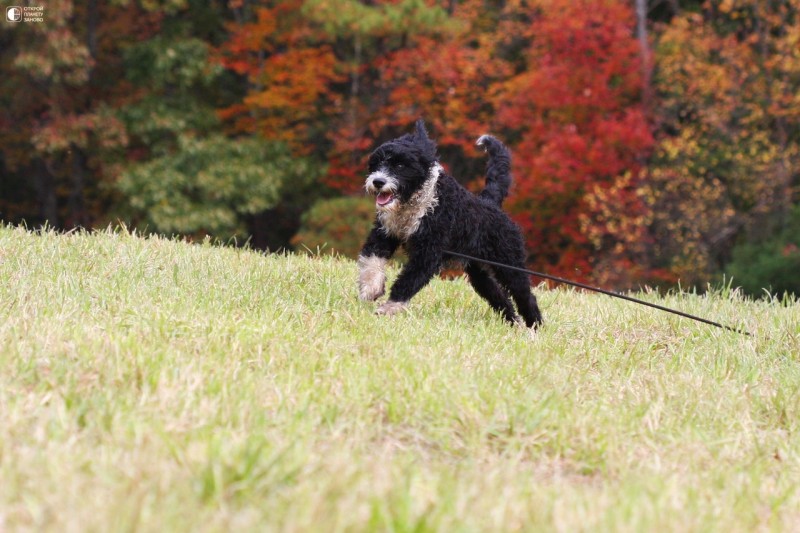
(427, 211)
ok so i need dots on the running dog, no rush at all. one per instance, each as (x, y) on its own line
(427, 211)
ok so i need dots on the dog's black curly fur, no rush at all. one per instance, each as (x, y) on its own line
(427, 211)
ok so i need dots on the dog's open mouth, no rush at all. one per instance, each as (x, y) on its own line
(383, 199)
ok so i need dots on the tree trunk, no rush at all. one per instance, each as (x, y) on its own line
(644, 46)
(778, 203)
(45, 194)
(92, 17)
(78, 216)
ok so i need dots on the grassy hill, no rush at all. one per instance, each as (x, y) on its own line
(153, 385)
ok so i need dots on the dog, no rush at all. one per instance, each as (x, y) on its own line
(427, 211)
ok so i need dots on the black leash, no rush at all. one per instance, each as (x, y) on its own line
(596, 289)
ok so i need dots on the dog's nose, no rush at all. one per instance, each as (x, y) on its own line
(378, 183)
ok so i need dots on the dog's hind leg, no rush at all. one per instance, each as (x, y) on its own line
(518, 284)
(490, 291)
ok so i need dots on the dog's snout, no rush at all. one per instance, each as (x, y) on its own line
(378, 183)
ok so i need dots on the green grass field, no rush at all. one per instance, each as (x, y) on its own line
(153, 385)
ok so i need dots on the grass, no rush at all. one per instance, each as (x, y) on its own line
(153, 385)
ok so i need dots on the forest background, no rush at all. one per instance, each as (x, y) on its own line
(655, 142)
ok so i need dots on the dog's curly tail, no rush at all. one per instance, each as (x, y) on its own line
(498, 169)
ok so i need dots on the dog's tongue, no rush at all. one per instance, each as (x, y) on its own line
(384, 198)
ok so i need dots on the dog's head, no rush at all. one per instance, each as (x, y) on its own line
(400, 167)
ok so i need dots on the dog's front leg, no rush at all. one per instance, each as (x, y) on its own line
(372, 264)
(419, 270)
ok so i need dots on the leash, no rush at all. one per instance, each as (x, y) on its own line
(602, 291)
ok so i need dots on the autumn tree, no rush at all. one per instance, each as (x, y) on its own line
(453, 88)
(332, 78)
(60, 135)
(53, 131)
(574, 116)
(186, 177)
(725, 167)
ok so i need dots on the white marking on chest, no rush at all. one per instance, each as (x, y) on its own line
(403, 220)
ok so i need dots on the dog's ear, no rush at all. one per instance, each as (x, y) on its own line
(421, 132)
(423, 142)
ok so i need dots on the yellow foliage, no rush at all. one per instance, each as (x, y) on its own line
(728, 80)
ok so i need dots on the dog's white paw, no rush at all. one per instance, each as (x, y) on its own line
(371, 287)
(391, 308)
(371, 278)
(370, 293)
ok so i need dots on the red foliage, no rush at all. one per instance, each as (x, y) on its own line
(577, 114)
